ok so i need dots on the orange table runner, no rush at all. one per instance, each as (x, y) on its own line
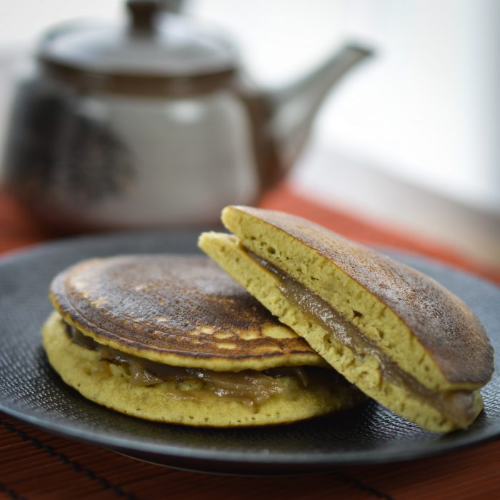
(38, 465)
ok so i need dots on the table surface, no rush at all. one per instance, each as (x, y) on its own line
(38, 465)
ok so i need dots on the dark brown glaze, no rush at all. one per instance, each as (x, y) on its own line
(164, 303)
(444, 325)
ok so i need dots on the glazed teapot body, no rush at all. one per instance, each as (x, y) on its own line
(109, 133)
(97, 159)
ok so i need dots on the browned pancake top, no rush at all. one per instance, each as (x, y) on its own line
(445, 326)
(180, 306)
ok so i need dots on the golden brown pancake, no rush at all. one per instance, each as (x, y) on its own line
(174, 339)
(395, 333)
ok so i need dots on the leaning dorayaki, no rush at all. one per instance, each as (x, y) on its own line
(398, 335)
(174, 339)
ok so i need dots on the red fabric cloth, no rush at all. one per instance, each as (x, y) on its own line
(18, 229)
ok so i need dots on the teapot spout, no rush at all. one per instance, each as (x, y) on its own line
(295, 106)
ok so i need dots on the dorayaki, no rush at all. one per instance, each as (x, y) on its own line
(395, 333)
(174, 339)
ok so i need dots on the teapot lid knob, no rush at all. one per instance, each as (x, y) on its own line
(143, 14)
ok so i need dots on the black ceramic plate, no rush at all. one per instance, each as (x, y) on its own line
(30, 391)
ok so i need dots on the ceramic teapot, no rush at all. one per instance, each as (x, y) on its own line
(152, 123)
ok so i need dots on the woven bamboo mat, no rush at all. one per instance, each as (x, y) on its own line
(38, 465)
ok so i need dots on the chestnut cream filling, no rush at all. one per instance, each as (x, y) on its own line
(455, 405)
(249, 387)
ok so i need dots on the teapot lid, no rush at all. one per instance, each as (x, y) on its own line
(153, 46)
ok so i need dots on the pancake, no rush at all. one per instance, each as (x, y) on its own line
(174, 339)
(398, 335)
